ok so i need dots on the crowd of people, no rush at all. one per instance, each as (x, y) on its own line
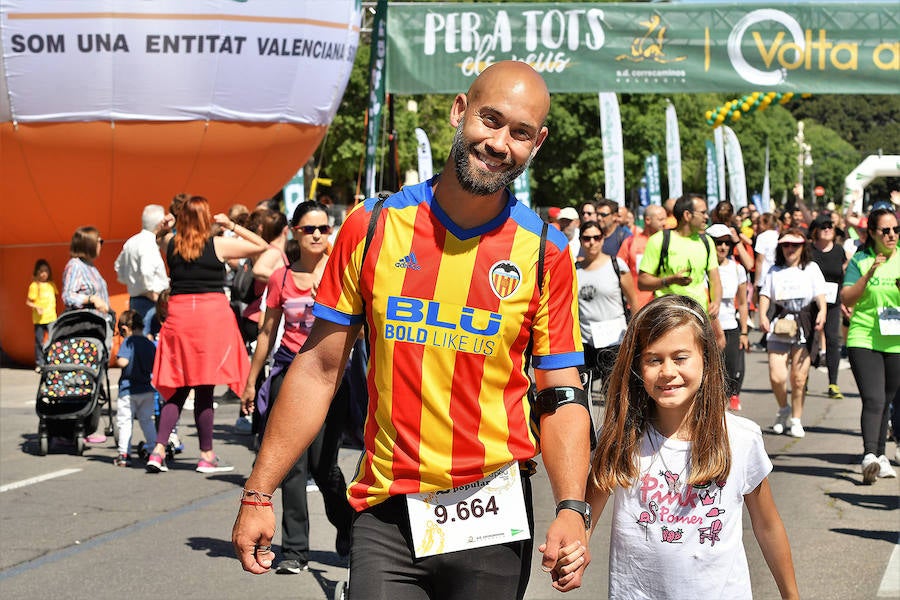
(460, 329)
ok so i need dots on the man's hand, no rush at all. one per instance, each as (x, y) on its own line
(682, 277)
(567, 529)
(252, 536)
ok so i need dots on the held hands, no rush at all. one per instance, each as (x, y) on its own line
(566, 552)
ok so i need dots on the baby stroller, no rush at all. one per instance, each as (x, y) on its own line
(74, 384)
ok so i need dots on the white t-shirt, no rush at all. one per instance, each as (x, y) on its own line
(794, 288)
(599, 297)
(732, 275)
(685, 543)
(766, 243)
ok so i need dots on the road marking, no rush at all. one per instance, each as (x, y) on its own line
(890, 583)
(19, 484)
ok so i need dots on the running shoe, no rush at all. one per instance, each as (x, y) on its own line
(886, 469)
(95, 438)
(291, 567)
(796, 429)
(734, 403)
(243, 425)
(122, 460)
(214, 466)
(177, 444)
(870, 468)
(834, 392)
(781, 419)
(156, 463)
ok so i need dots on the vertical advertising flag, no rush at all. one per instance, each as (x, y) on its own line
(423, 151)
(766, 198)
(294, 193)
(522, 188)
(720, 161)
(673, 151)
(737, 180)
(651, 172)
(712, 176)
(377, 73)
(613, 155)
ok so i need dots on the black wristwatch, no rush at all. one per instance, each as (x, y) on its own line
(582, 508)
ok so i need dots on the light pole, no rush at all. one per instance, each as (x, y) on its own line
(804, 156)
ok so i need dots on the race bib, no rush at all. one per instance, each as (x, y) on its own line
(831, 292)
(487, 512)
(889, 320)
(790, 288)
(609, 332)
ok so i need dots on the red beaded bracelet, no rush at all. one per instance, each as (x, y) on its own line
(255, 503)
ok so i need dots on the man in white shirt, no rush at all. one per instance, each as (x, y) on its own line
(140, 267)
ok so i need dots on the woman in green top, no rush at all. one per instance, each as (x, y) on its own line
(871, 288)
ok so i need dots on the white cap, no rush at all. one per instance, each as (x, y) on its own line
(567, 213)
(718, 230)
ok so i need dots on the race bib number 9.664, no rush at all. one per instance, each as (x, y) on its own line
(483, 513)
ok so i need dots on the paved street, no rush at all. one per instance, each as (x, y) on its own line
(76, 527)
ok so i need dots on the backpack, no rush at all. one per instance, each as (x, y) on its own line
(242, 288)
(664, 251)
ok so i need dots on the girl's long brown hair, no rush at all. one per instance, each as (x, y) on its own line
(192, 228)
(629, 407)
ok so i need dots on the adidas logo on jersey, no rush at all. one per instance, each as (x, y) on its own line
(408, 262)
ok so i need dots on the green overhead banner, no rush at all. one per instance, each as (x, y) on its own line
(851, 48)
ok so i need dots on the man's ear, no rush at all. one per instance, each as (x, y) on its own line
(542, 135)
(458, 109)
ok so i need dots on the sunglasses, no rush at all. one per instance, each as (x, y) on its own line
(604, 215)
(791, 244)
(724, 242)
(593, 238)
(311, 229)
(888, 230)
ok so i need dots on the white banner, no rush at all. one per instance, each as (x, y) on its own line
(766, 196)
(673, 151)
(613, 155)
(423, 150)
(720, 160)
(737, 181)
(171, 60)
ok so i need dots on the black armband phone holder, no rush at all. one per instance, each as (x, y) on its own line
(550, 399)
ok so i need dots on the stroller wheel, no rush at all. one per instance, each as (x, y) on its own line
(43, 445)
(79, 445)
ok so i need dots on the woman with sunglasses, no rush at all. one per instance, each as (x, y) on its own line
(604, 289)
(832, 261)
(82, 284)
(733, 314)
(873, 341)
(290, 295)
(792, 312)
(199, 342)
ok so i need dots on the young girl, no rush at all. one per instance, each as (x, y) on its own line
(42, 300)
(679, 467)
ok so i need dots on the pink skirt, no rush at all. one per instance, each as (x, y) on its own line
(200, 344)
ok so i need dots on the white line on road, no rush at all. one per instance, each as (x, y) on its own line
(18, 484)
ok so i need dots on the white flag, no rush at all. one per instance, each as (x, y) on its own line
(766, 192)
(673, 152)
(720, 160)
(613, 155)
(426, 168)
(737, 180)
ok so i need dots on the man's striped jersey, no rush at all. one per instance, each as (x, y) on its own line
(450, 313)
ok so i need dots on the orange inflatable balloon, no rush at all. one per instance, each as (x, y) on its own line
(230, 122)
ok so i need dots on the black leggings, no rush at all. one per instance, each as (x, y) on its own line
(877, 377)
(734, 361)
(833, 341)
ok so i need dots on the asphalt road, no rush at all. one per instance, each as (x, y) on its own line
(77, 527)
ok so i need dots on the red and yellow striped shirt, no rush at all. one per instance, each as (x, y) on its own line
(450, 313)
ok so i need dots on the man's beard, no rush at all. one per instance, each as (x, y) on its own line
(480, 182)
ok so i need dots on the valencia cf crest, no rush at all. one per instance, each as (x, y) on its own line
(506, 277)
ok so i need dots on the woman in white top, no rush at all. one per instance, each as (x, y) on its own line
(603, 291)
(733, 312)
(791, 310)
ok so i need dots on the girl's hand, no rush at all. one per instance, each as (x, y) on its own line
(570, 559)
(223, 220)
(39, 310)
(820, 320)
(247, 399)
(764, 323)
(879, 260)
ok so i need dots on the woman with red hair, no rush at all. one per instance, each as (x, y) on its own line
(199, 343)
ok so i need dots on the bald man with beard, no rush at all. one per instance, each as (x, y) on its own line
(450, 294)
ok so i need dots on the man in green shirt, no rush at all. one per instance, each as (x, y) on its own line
(687, 264)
